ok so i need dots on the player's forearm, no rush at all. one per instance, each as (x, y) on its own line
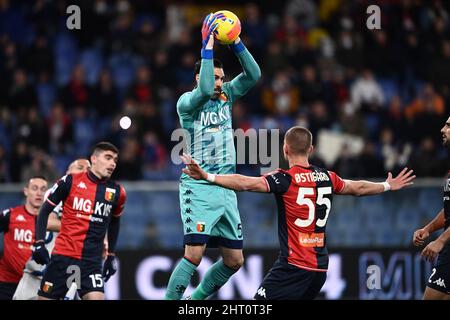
(238, 182)
(252, 72)
(53, 224)
(437, 223)
(444, 237)
(113, 233)
(42, 219)
(206, 77)
(366, 188)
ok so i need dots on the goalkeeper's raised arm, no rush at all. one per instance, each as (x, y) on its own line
(251, 71)
(204, 90)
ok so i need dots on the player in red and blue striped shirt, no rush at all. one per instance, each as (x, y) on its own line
(92, 206)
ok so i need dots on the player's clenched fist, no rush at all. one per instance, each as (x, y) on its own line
(420, 236)
(432, 250)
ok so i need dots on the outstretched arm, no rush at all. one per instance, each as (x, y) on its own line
(235, 182)
(251, 71)
(365, 188)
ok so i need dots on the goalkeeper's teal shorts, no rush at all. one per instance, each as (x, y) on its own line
(210, 215)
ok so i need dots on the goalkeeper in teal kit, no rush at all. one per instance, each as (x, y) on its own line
(210, 214)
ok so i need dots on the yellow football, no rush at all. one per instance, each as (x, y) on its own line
(229, 27)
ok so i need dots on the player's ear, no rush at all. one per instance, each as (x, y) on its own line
(25, 191)
(311, 149)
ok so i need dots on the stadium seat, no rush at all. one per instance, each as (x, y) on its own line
(66, 56)
(46, 95)
(407, 219)
(123, 69)
(92, 62)
(389, 87)
(83, 135)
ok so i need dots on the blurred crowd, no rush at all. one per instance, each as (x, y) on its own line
(63, 90)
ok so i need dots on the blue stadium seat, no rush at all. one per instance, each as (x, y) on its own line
(407, 219)
(84, 134)
(123, 69)
(46, 95)
(66, 56)
(389, 87)
(430, 201)
(92, 61)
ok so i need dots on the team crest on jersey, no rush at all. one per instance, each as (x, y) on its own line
(200, 226)
(223, 97)
(48, 287)
(109, 194)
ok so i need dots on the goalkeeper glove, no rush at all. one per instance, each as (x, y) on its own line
(109, 267)
(209, 26)
(40, 252)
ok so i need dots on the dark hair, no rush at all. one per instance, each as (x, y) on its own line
(299, 140)
(36, 176)
(217, 64)
(105, 146)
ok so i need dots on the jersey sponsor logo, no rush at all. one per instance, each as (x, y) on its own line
(440, 282)
(200, 226)
(21, 246)
(109, 194)
(23, 235)
(212, 117)
(81, 185)
(311, 177)
(85, 205)
(21, 218)
(311, 239)
(262, 292)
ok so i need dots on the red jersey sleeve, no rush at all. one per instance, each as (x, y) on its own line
(120, 203)
(338, 182)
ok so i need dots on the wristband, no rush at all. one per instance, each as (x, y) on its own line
(237, 48)
(207, 53)
(211, 177)
(386, 186)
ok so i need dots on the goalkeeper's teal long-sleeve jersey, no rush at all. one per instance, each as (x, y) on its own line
(208, 122)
